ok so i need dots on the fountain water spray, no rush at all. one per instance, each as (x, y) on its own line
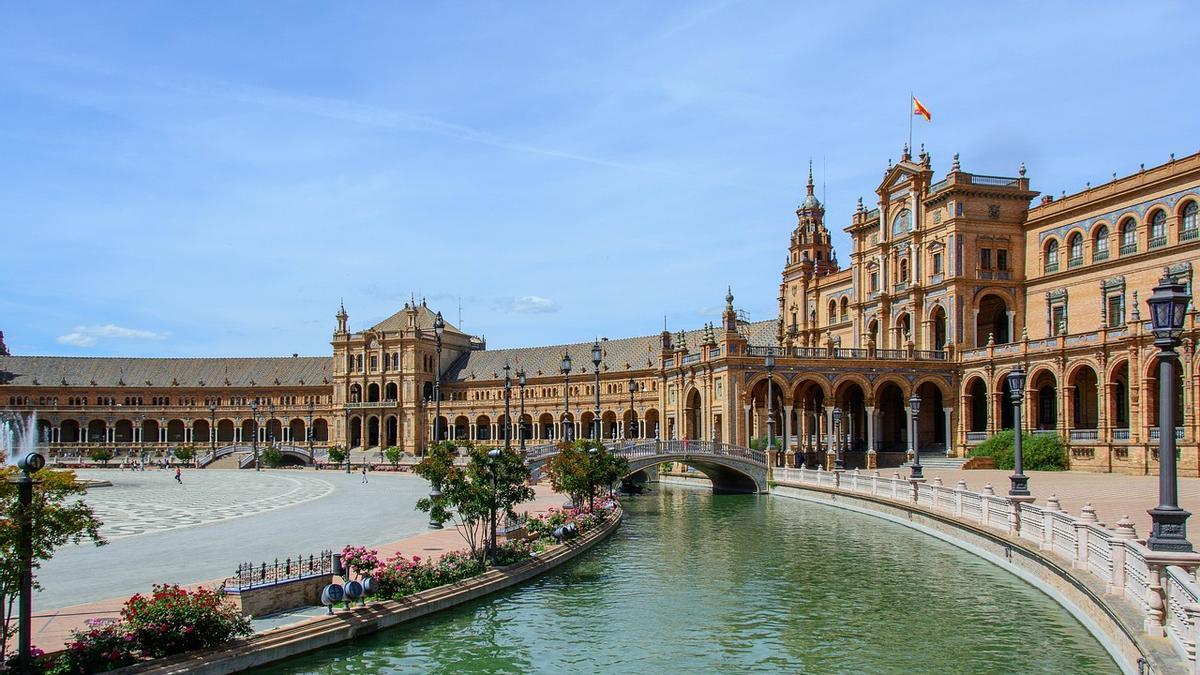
(18, 436)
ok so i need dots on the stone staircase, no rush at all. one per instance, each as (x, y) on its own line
(938, 461)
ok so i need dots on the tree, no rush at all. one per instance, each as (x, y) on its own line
(272, 456)
(101, 455)
(471, 496)
(394, 455)
(337, 454)
(58, 516)
(185, 453)
(581, 469)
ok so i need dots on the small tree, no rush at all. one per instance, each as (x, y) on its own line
(337, 454)
(583, 468)
(59, 516)
(185, 453)
(272, 456)
(394, 455)
(437, 467)
(102, 455)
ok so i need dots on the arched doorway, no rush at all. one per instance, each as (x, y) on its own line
(1085, 398)
(372, 431)
(652, 424)
(977, 405)
(97, 432)
(297, 432)
(175, 431)
(391, 431)
(69, 432)
(355, 432)
(938, 321)
(609, 425)
(851, 430)
(247, 430)
(992, 321)
(483, 428)
(320, 430)
(931, 419)
(893, 419)
(1118, 413)
(123, 431)
(372, 393)
(1045, 388)
(200, 432)
(692, 416)
(224, 431)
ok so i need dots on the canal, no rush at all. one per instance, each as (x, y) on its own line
(695, 582)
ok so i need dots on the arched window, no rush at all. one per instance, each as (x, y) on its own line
(1128, 236)
(1052, 256)
(902, 222)
(833, 311)
(845, 308)
(1075, 250)
(1190, 223)
(1100, 244)
(1158, 229)
(903, 270)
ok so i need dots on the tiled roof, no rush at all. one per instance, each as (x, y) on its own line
(399, 321)
(636, 353)
(82, 371)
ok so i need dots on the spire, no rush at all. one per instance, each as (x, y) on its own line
(728, 299)
(810, 178)
(341, 317)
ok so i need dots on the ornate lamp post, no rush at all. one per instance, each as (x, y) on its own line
(521, 418)
(507, 407)
(137, 434)
(212, 428)
(839, 461)
(769, 362)
(1168, 308)
(566, 372)
(439, 327)
(633, 387)
(597, 353)
(308, 432)
(270, 418)
(29, 464)
(1016, 391)
(493, 455)
(914, 404)
(254, 436)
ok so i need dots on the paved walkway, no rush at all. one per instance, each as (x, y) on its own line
(52, 628)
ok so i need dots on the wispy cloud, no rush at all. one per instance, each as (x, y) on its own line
(534, 304)
(87, 336)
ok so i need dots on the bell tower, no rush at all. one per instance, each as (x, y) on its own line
(810, 239)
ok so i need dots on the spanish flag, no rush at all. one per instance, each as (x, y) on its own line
(921, 110)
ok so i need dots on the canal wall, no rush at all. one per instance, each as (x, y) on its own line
(325, 631)
(1115, 625)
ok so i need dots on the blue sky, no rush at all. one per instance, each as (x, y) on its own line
(211, 178)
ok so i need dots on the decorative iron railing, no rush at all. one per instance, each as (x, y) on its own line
(997, 181)
(251, 575)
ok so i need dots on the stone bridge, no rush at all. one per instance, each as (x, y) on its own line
(245, 454)
(731, 468)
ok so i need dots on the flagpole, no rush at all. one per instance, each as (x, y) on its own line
(911, 115)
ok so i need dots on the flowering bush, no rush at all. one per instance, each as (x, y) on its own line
(360, 559)
(400, 576)
(513, 552)
(104, 646)
(542, 526)
(173, 620)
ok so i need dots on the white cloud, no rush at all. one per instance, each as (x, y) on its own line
(534, 304)
(87, 336)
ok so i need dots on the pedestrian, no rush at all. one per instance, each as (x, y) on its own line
(364, 473)
(178, 476)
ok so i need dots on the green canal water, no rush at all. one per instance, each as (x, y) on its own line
(696, 582)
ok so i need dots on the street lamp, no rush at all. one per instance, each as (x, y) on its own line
(137, 433)
(29, 464)
(914, 404)
(1016, 391)
(521, 418)
(769, 361)
(597, 353)
(839, 461)
(1168, 308)
(308, 432)
(439, 327)
(566, 372)
(493, 455)
(212, 428)
(271, 418)
(254, 437)
(633, 386)
(507, 407)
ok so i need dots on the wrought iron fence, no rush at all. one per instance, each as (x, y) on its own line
(251, 575)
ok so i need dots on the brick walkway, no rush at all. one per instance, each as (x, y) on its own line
(52, 628)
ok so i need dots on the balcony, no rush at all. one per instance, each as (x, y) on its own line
(1075, 262)
(1051, 267)
(901, 287)
(1085, 434)
(1120, 434)
(1155, 435)
(1129, 249)
(356, 405)
(1158, 242)
(1189, 234)
(974, 437)
(689, 358)
(996, 181)
(1100, 256)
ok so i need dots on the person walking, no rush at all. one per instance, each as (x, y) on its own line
(364, 478)
(178, 476)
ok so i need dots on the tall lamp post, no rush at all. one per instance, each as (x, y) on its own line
(1016, 391)
(439, 327)
(507, 407)
(633, 387)
(29, 464)
(769, 362)
(1168, 308)
(566, 373)
(493, 455)
(839, 461)
(254, 436)
(212, 428)
(308, 432)
(521, 417)
(270, 418)
(137, 434)
(914, 404)
(597, 353)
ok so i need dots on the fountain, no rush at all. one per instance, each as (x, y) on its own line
(18, 436)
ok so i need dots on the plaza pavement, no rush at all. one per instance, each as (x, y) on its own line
(84, 582)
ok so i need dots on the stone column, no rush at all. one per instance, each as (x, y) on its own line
(950, 450)
(748, 426)
(1012, 325)
(870, 430)
(831, 440)
(787, 429)
(474, 431)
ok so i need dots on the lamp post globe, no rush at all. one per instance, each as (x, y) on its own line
(1016, 391)
(914, 405)
(1168, 310)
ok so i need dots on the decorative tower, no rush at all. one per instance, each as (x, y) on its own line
(342, 317)
(810, 240)
(729, 318)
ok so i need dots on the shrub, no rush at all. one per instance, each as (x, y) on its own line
(761, 443)
(100, 455)
(104, 646)
(400, 576)
(185, 453)
(337, 454)
(1039, 452)
(173, 620)
(513, 553)
(394, 455)
(272, 456)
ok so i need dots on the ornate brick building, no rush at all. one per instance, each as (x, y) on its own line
(950, 283)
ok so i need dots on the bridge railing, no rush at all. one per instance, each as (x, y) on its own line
(210, 457)
(1115, 557)
(643, 448)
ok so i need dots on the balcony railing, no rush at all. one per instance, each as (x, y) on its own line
(1158, 242)
(1085, 434)
(1100, 256)
(390, 403)
(1120, 434)
(901, 286)
(976, 436)
(1189, 234)
(1051, 267)
(1155, 435)
(1128, 249)
(998, 181)
(938, 186)
(1075, 262)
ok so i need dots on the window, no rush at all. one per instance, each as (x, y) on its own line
(937, 263)
(374, 362)
(1158, 229)
(1128, 236)
(1058, 320)
(874, 281)
(1191, 222)
(1116, 310)
(902, 223)
(1100, 244)
(832, 311)
(845, 308)
(359, 360)
(1052, 256)
(1001, 259)
(1075, 250)
(985, 258)
(903, 270)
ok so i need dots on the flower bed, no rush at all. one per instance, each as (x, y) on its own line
(541, 527)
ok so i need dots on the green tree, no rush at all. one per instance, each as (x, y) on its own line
(1039, 452)
(585, 468)
(471, 496)
(185, 453)
(59, 516)
(337, 454)
(394, 455)
(101, 455)
(272, 456)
